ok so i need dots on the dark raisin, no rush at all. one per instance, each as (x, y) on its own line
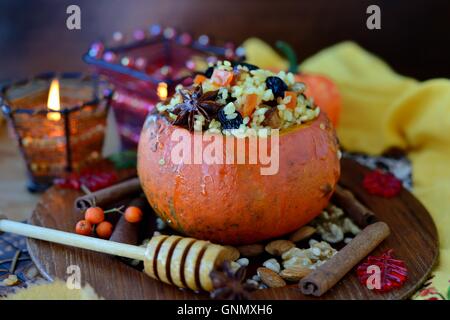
(249, 66)
(227, 123)
(230, 99)
(271, 103)
(277, 86)
(208, 73)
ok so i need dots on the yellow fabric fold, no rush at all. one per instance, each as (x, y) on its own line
(382, 109)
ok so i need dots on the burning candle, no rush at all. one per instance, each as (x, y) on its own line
(54, 101)
(59, 123)
(162, 91)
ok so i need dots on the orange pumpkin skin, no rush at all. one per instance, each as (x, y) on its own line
(234, 203)
(325, 93)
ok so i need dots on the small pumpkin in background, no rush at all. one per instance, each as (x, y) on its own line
(320, 87)
(324, 91)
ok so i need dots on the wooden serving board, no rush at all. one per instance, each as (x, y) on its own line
(413, 238)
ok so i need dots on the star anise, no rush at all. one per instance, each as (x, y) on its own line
(195, 102)
(228, 284)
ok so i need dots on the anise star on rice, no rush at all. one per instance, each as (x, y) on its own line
(195, 102)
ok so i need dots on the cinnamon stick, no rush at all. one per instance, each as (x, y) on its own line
(359, 213)
(127, 232)
(109, 195)
(327, 275)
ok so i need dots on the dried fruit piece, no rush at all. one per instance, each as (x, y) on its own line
(250, 103)
(229, 123)
(277, 86)
(199, 78)
(278, 247)
(272, 119)
(293, 102)
(393, 272)
(304, 232)
(295, 273)
(222, 77)
(383, 184)
(270, 278)
(251, 250)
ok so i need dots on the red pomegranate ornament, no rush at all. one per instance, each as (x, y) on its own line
(392, 272)
(382, 183)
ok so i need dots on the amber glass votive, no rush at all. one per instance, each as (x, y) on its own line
(54, 142)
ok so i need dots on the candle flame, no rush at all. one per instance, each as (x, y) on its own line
(161, 91)
(53, 102)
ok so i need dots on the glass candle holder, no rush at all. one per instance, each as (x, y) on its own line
(54, 142)
(146, 67)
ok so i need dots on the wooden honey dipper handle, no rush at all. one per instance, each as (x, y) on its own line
(73, 240)
(183, 262)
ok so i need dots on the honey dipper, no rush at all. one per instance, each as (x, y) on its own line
(183, 262)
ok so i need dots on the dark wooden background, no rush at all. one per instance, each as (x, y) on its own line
(414, 38)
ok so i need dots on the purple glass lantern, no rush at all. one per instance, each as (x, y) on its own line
(147, 69)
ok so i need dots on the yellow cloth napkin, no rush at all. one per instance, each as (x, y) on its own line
(382, 109)
(56, 290)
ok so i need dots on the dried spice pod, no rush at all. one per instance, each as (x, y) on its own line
(328, 274)
(213, 257)
(359, 213)
(270, 278)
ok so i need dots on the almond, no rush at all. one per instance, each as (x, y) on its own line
(251, 250)
(270, 278)
(302, 233)
(278, 247)
(295, 273)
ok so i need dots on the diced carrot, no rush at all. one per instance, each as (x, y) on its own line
(199, 79)
(251, 100)
(222, 77)
(293, 103)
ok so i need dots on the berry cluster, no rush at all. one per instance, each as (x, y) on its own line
(94, 221)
